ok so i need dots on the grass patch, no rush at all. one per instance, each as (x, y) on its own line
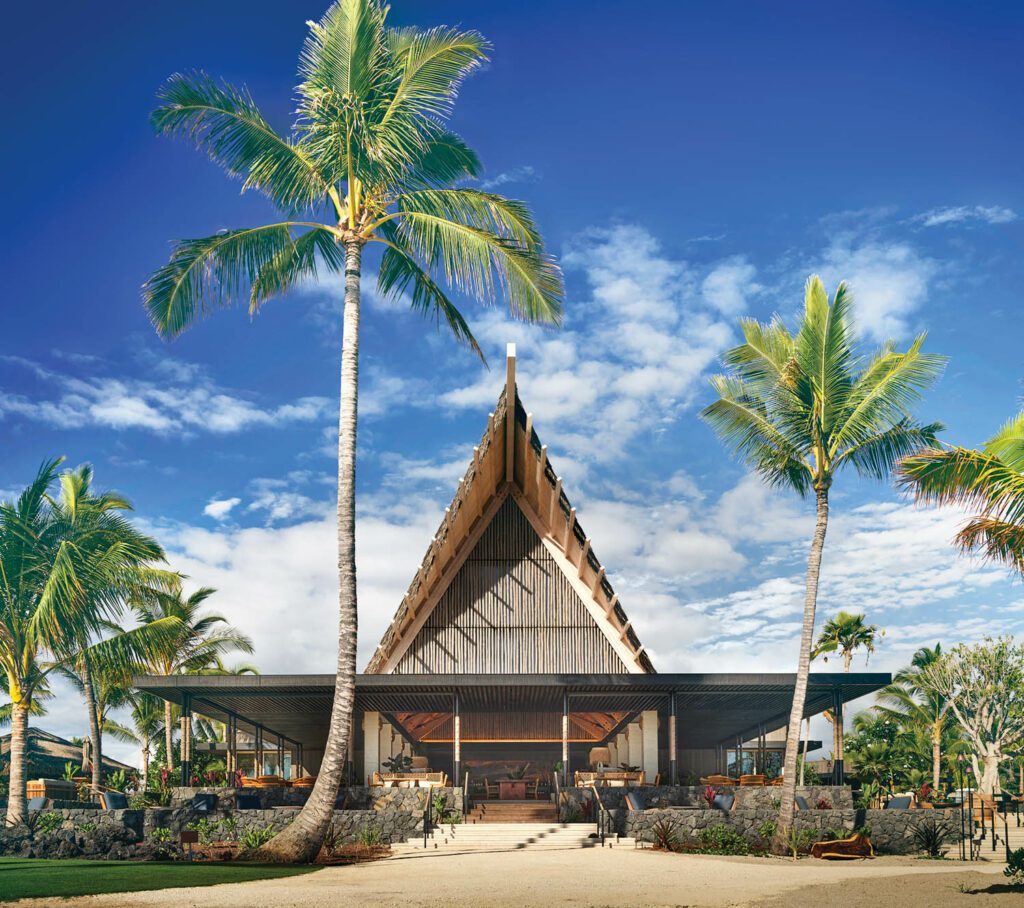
(24, 878)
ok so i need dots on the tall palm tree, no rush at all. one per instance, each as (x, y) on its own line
(203, 638)
(845, 633)
(912, 699)
(990, 480)
(799, 408)
(368, 161)
(58, 585)
(95, 524)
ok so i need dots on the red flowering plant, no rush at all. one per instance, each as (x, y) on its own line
(710, 793)
(823, 804)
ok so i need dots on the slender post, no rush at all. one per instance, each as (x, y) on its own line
(837, 716)
(258, 753)
(672, 737)
(186, 734)
(457, 740)
(300, 756)
(280, 757)
(565, 738)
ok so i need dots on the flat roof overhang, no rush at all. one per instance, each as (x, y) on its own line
(711, 709)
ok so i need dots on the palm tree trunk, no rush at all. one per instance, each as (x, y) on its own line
(301, 841)
(94, 724)
(936, 757)
(169, 734)
(788, 805)
(19, 766)
(807, 741)
(145, 765)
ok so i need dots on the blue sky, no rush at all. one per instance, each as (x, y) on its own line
(689, 164)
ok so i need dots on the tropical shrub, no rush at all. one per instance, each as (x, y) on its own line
(256, 838)
(767, 830)
(369, 837)
(723, 840)
(48, 822)
(710, 792)
(160, 834)
(929, 836)
(665, 834)
(1014, 871)
(799, 840)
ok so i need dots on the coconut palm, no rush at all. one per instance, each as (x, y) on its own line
(203, 638)
(368, 161)
(147, 717)
(990, 480)
(59, 582)
(798, 409)
(913, 700)
(845, 633)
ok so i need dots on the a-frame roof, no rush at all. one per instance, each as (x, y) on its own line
(510, 462)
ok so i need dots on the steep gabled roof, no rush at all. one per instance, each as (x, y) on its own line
(510, 462)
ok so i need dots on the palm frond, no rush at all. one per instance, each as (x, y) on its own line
(997, 540)
(344, 53)
(294, 264)
(1008, 443)
(212, 272)
(226, 123)
(877, 455)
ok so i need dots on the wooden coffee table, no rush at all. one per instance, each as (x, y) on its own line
(512, 789)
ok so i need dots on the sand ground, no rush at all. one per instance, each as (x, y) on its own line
(595, 878)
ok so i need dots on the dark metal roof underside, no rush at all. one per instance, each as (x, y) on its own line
(711, 709)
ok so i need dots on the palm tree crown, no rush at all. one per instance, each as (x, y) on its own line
(367, 160)
(845, 634)
(990, 480)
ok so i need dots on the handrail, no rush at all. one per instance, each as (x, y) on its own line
(465, 794)
(427, 818)
(558, 797)
(601, 813)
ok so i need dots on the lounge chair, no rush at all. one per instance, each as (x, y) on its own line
(113, 800)
(204, 803)
(717, 780)
(38, 803)
(247, 802)
(899, 804)
(801, 803)
(635, 800)
(776, 781)
(724, 802)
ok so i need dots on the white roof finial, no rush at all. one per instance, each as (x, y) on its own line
(510, 351)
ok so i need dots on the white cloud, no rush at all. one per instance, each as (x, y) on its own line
(890, 282)
(524, 174)
(727, 286)
(219, 509)
(188, 402)
(960, 214)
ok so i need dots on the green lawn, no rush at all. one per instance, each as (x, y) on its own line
(23, 878)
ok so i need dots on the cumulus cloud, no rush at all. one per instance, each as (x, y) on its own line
(890, 282)
(219, 509)
(966, 214)
(188, 402)
(524, 174)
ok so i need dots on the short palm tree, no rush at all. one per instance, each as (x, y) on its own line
(798, 409)
(990, 480)
(845, 634)
(147, 718)
(913, 700)
(204, 637)
(368, 161)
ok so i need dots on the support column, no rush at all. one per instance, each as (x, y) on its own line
(257, 766)
(231, 760)
(837, 715)
(456, 741)
(635, 739)
(672, 738)
(350, 768)
(371, 743)
(280, 757)
(186, 737)
(300, 769)
(649, 744)
(565, 739)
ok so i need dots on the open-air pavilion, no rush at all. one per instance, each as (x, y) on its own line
(511, 647)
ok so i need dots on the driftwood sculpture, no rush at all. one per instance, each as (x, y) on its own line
(857, 846)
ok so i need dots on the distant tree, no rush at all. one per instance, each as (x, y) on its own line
(369, 161)
(984, 685)
(912, 699)
(798, 409)
(990, 480)
(845, 634)
(147, 718)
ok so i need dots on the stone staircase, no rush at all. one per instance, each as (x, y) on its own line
(512, 812)
(1014, 833)
(494, 835)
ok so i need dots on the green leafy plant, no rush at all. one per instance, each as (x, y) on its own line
(929, 836)
(1014, 871)
(204, 829)
(767, 830)
(230, 826)
(798, 840)
(161, 834)
(862, 830)
(570, 815)
(518, 772)
(665, 834)
(256, 838)
(723, 839)
(369, 836)
(627, 767)
(87, 827)
(48, 822)
(399, 763)
(70, 771)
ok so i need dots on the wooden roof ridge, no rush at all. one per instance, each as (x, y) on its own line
(510, 463)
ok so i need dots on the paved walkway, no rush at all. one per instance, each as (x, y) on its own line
(586, 878)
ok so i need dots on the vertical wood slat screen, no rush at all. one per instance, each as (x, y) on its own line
(509, 609)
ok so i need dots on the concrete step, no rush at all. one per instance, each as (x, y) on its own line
(504, 837)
